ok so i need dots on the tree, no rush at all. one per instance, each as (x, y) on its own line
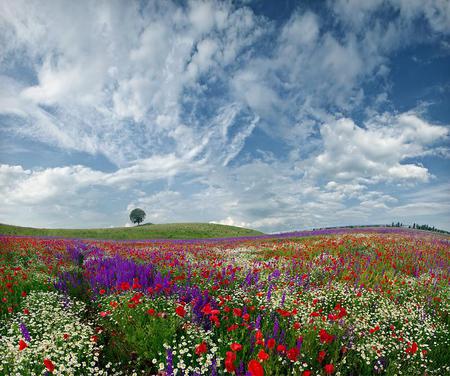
(137, 216)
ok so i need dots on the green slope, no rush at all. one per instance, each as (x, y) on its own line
(159, 231)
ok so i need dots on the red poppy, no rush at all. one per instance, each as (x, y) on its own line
(255, 368)
(329, 369)
(229, 361)
(102, 291)
(262, 355)
(22, 345)
(237, 312)
(271, 343)
(236, 346)
(207, 309)
(49, 365)
(325, 337)
(293, 353)
(180, 311)
(125, 286)
(201, 348)
(375, 329)
(281, 348)
(306, 373)
(412, 349)
(321, 356)
(151, 312)
(66, 336)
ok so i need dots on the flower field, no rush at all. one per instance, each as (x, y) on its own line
(353, 302)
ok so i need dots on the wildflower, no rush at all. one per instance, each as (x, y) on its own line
(262, 355)
(255, 368)
(237, 312)
(236, 346)
(321, 356)
(329, 369)
(281, 348)
(201, 348)
(306, 373)
(293, 354)
(180, 311)
(375, 329)
(229, 361)
(25, 332)
(49, 365)
(325, 337)
(412, 349)
(22, 345)
(151, 312)
(124, 286)
(271, 343)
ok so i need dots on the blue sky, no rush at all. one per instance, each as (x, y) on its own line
(272, 115)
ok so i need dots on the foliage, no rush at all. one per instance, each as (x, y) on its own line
(137, 216)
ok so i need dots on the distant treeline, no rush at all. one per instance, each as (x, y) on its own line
(393, 224)
(419, 227)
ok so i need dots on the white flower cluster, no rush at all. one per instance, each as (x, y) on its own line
(56, 332)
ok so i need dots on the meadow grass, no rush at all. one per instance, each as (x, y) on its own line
(156, 231)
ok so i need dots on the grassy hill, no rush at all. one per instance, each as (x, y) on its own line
(159, 231)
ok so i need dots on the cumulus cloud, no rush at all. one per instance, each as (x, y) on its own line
(375, 153)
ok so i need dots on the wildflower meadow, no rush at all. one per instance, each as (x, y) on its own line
(343, 302)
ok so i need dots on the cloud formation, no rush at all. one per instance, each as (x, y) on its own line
(213, 111)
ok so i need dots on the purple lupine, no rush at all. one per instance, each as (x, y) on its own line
(109, 273)
(169, 360)
(269, 292)
(25, 332)
(276, 327)
(276, 274)
(240, 370)
(258, 322)
(214, 367)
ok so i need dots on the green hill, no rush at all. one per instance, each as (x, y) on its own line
(148, 231)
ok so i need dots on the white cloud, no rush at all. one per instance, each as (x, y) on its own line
(171, 92)
(117, 65)
(376, 153)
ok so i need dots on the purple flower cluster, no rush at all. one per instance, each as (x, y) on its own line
(110, 273)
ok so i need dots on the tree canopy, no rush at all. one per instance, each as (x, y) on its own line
(137, 215)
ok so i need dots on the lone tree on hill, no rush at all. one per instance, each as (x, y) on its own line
(137, 216)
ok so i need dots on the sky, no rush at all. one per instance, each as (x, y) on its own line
(274, 115)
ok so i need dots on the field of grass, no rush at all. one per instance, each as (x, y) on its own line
(157, 231)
